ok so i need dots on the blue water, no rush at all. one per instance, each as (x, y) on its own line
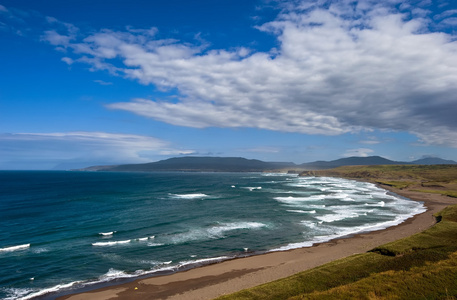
(64, 231)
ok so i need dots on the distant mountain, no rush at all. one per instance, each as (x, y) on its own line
(239, 164)
(433, 161)
(350, 161)
(199, 164)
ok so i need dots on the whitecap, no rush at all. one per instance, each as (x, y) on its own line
(379, 204)
(344, 197)
(317, 206)
(111, 243)
(220, 229)
(213, 232)
(297, 200)
(250, 188)
(302, 211)
(309, 224)
(337, 217)
(107, 233)
(15, 248)
(145, 238)
(189, 196)
(155, 244)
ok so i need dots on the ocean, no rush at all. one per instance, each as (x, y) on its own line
(64, 232)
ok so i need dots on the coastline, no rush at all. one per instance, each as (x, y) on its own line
(211, 281)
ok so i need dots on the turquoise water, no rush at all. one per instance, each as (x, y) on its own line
(65, 231)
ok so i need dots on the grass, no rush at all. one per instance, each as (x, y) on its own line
(396, 184)
(431, 281)
(423, 266)
(413, 173)
(445, 192)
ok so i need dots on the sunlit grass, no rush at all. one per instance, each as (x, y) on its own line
(421, 266)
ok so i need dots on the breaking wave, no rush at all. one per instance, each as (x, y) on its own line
(15, 248)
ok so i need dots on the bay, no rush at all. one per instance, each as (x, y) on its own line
(66, 231)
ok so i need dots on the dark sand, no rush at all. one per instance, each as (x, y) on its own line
(211, 281)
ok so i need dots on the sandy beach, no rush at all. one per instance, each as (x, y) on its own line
(211, 281)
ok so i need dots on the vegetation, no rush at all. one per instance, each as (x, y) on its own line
(423, 266)
(445, 192)
(439, 179)
(433, 173)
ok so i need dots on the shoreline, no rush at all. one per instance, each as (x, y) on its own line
(214, 280)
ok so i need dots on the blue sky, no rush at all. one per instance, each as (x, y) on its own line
(109, 82)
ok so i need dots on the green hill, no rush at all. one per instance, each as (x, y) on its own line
(199, 164)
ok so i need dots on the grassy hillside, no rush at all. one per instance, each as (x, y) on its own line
(441, 179)
(423, 266)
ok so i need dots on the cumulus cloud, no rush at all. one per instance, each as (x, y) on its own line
(340, 66)
(82, 146)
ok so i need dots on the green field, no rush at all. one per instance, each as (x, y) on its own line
(423, 266)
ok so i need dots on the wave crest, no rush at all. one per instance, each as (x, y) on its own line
(15, 248)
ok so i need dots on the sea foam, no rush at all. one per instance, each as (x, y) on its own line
(208, 233)
(26, 294)
(113, 243)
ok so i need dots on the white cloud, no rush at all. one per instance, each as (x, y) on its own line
(83, 146)
(101, 82)
(56, 39)
(370, 141)
(446, 14)
(339, 68)
(360, 152)
(67, 60)
(449, 22)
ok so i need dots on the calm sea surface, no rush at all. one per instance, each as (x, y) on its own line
(66, 231)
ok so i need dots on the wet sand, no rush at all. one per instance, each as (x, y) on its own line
(214, 280)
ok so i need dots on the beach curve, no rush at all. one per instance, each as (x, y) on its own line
(211, 281)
